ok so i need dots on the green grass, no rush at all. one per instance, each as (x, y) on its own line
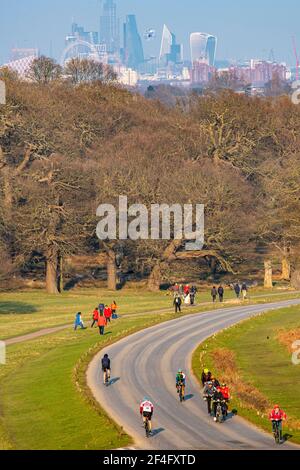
(262, 362)
(26, 312)
(44, 402)
(42, 405)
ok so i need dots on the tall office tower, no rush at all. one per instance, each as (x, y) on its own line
(170, 51)
(203, 48)
(109, 27)
(133, 53)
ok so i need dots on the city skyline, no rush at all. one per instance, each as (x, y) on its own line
(31, 24)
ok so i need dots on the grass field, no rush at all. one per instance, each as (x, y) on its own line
(264, 373)
(26, 312)
(44, 401)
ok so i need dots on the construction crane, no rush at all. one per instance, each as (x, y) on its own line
(297, 58)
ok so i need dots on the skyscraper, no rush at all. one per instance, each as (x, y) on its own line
(203, 48)
(133, 53)
(109, 27)
(170, 51)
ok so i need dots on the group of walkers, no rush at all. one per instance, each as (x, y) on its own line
(183, 294)
(102, 315)
(240, 290)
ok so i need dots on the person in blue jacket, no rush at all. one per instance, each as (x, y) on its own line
(78, 322)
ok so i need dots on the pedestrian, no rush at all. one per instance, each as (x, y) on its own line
(237, 290)
(79, 322)
(101, 323)
(221, 293)
(186, 290)
(114, 308)
(107, 313)
(181, 292)
(177, 303)
(244, 291)
(192, 298)
(95, 317)
(214, 294)
(101, 308)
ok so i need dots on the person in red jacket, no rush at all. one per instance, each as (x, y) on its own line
(107, 313)
(226, 394)
(95, 317)
(277, 416)
(101, 323)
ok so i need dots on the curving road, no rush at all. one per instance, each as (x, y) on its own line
(145, 364)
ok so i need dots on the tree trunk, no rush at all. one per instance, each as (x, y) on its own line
(61, 274)
(268, 274)
(155, 278)
(286, 269)
(111, 270)
(51, 273)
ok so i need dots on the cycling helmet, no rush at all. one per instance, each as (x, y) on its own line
(106, 356)
(180, 371)
(224, 385)
(206, 371)
(146, 399)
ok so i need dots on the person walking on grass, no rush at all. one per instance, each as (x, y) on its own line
(244, 291)
(237, 290)
(101, 308)
(95, 317)
(214, 294)
(79, 322)
(177, 303)
(221, 293)
(107, 313)
(102, 323)
(114, 308)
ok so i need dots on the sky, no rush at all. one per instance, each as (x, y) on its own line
(245, 29)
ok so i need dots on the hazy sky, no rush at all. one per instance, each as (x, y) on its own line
(245, 29)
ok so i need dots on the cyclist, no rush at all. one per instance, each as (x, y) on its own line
(208, 394)
(277, 416)
(206, 376)
(217, 397)
(226, 394)
(146, 411)
(180, 381)
(106, 368)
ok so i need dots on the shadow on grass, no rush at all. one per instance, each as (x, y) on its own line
(11, 308)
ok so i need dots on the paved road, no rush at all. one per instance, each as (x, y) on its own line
(146, 363)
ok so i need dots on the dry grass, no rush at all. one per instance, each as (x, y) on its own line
(288, 337)
(224, 359)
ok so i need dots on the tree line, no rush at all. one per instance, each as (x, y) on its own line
(71, 140)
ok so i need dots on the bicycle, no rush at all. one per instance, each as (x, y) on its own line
(277, 431)
(181, 392)
(147, 427)
(221, 411)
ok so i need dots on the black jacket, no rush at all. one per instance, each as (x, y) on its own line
(105, 363)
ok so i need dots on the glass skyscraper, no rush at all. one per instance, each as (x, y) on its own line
(133, 53)
(170, 51)
(203, 48)
(109, 27)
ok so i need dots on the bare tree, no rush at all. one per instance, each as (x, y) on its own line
(44, 70)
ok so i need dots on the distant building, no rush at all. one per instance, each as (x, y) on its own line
(21, 66)
(127, 76)
(258, 73)
(84, 45)
(109, 27)
(22, 53)
(203, 48)
(133, 53)
(170, 51)
(201, 73)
